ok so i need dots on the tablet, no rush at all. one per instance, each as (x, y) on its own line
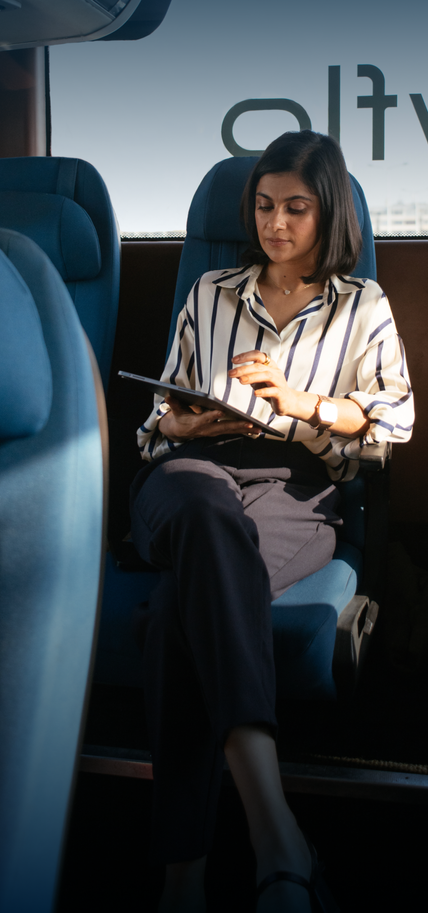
(196, 398)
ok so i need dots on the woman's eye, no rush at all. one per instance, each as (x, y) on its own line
(265, 208)
(297, 212)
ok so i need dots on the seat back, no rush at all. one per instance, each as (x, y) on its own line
(216, 238)
(64, 206)
(51, 539)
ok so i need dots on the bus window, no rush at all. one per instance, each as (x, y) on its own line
(217, 79)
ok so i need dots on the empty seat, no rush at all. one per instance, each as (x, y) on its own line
(51, 544)
(64, 206)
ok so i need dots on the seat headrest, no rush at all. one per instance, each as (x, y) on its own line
(61, 227)
(25, 370)
(214, 211)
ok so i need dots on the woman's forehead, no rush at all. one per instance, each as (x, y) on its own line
(285, 185)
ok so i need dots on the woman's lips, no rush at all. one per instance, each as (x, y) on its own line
(277, 242)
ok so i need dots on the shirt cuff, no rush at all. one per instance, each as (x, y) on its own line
(380, 414)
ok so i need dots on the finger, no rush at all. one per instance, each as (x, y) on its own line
(180, 408)
(254, 355)
(254, 377)
(227, 427)
(241, 370)
(175, 405)
(267, 392)
(267, 370)
(213, 415)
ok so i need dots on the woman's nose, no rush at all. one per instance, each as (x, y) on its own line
(278, 220)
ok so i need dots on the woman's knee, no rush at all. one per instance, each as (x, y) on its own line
(187, 488)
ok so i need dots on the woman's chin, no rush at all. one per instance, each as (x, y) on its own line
(278, 256)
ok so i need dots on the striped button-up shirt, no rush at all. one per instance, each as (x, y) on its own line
(344, 343)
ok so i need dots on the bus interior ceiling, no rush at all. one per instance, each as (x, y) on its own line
(381, 728)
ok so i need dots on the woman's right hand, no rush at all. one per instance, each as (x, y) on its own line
(183, 424)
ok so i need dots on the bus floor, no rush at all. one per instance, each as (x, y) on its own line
(375, 852)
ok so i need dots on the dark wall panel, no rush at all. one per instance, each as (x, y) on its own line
(149, 273)
(403, 274)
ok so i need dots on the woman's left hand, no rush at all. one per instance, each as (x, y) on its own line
(267, 380)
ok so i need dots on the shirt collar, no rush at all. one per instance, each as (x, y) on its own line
(344, 285)
(244, 281)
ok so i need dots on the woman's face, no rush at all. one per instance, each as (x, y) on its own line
(287, 219)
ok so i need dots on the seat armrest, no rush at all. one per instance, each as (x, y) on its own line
(375, 456)
(354, 626)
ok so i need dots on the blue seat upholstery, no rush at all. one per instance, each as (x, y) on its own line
(25, 369)
(304, 621)
(305, 617)
(51, 537)
(64, 206)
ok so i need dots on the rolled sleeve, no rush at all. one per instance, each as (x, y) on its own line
(384, 392)
(151, 441)
(178, 370)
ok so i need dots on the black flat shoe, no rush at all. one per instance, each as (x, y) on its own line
(322, 900)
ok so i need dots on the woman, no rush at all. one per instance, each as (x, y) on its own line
(235, 518)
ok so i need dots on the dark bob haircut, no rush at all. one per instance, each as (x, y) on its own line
(319, 163)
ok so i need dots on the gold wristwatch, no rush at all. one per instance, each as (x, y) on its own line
(325, 414)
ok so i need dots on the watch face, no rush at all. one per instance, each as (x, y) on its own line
(327, 413)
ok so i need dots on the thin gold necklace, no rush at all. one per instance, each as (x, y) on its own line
(286, 291)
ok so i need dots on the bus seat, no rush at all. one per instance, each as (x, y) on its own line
(216, 236)
(64, 206)
(51, 538)
(329, 613)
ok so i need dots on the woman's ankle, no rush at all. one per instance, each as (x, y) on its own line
(282, 849)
